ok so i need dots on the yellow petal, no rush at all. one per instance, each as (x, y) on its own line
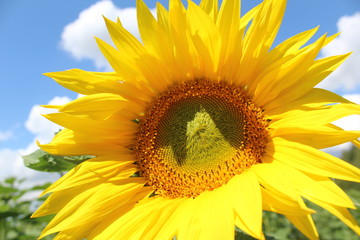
(271, 178)
(204, 224)
(291, 182)
(343, 214)
(305, 224)
(92, 205)
(314, 116)
(278, 202)
(356, 143)
(106, 129)
(124, 40)
(68, 143)
(139, 223)
(87, 82)
(97, 106)
(316, 136)
(278, 78)
(187, 61)
(319, 70)
(147, 25)
(228, 20)
(205, 36)
(316, 97)
(210, 7)
(263, 30)
(132, 58)
(95, 170)
(259, 38)
(245, 195)
(289, 46)
(245, 20)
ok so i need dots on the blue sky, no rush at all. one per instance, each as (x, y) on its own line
(31, 43)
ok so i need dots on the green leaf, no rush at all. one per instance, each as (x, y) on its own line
(10, 180)
(45, 162)
(240, 235)
(4, 208)
(7, 189)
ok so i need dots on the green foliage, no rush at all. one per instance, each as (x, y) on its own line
(352, 156)
(46, 162)
(16, 207)
(240, 235)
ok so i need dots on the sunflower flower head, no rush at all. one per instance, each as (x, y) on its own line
(201, 126)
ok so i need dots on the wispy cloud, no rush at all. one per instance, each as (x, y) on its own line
(42, 128)
(11, 163)
(6, 135)
(347, 76)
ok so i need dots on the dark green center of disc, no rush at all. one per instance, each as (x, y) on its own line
(200, 133)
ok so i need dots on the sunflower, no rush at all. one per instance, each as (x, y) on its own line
(201, 127)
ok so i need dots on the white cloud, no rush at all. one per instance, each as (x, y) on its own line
(5, 135)
(37, 124)
(78, 36)
(11, 163)
(347, 76)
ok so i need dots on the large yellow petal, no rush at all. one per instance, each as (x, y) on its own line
(316, 136)
(264, 28)
(147, 26)
(278, 202)
(166, 44)
(245, 196)
(316, 97)
(291, 182)
(319, 70)
(144, 221)
(305, 224)
(284, 74)
(124, 40)
(259, 38)
(96, 106)
(289, 46)
(93, 204)
(187, 59)
(96, 169)
(308, 116)
(232, 33)
(210, 7)
(68, 143)
(342, 213)
(105, 129)
(152, 69)
(85, 82)
(228, 23)
(205, 37)
(122, 64)
(204, 224)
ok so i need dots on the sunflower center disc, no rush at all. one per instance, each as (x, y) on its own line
(197, 136)
(199, 132)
